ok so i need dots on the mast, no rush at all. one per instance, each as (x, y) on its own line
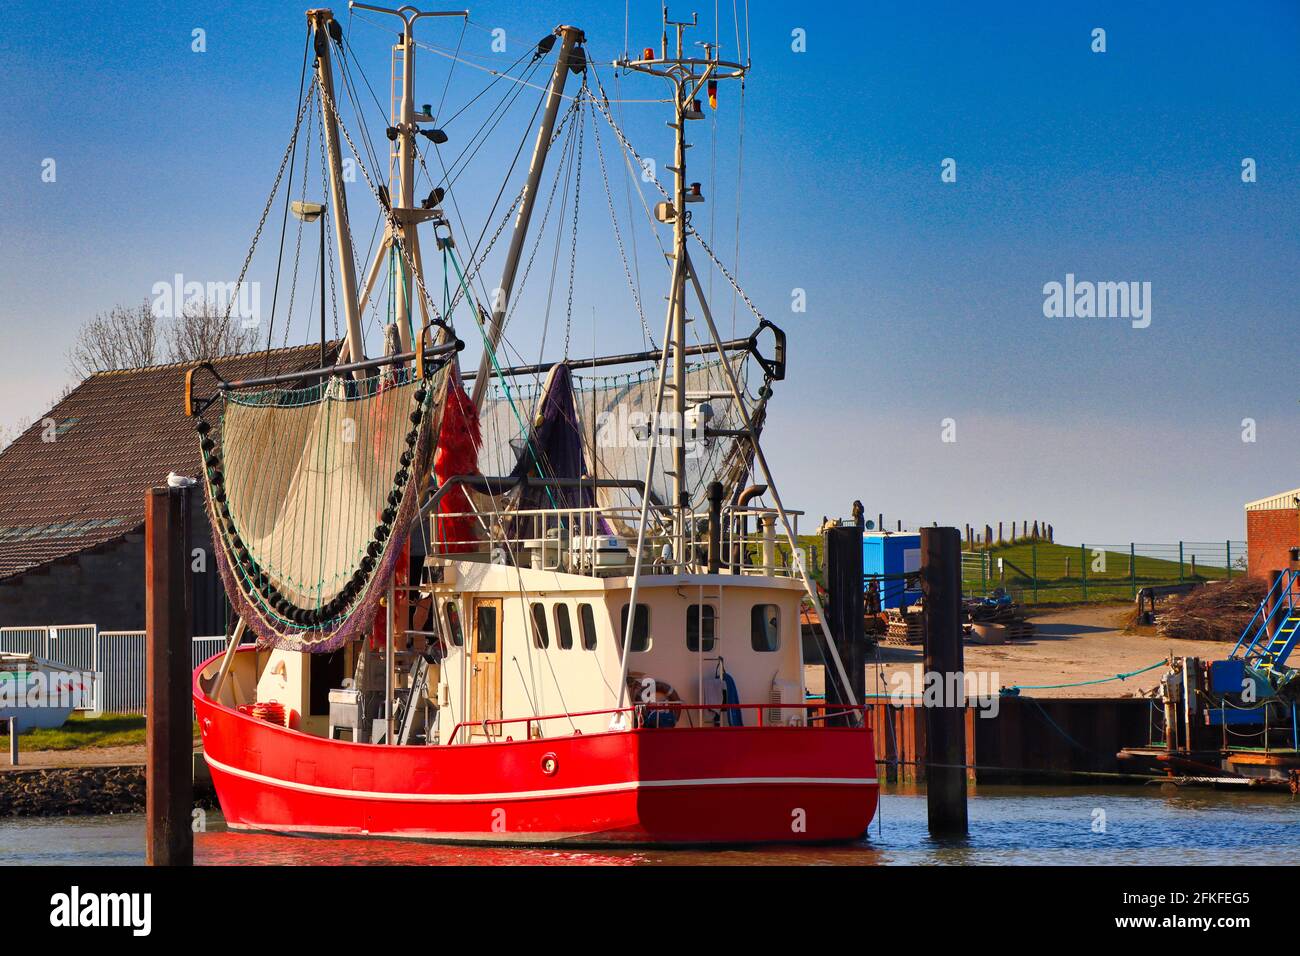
(326, 27)
(688, 76)
(405, 215)
(569, 38)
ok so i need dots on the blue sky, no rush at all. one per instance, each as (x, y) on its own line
(924, 298)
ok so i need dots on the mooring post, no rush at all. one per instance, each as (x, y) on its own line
(945, 724)
(169, 840)
(844, 610)
(13, 741)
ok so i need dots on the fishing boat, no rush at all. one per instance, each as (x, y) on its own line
(553, 602)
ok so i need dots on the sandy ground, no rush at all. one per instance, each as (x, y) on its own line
(87, 757)
(1078, 644)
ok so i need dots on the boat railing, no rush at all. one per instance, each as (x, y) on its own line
(602, 540)
(653, 716)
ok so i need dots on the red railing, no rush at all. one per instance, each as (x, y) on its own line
(815, 713)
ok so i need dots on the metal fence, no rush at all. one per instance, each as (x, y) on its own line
(115, 658)
(120, 665)
(1043, 572)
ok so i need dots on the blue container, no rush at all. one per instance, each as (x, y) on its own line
(892, 554)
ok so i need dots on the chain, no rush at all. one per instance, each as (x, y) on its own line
(628, 146)
(324, 184)
(297, 249)
(270, 201)
(618, 237)
(573, 243)
(393, 222)
(723, 269)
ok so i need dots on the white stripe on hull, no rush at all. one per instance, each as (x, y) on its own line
(535, 794)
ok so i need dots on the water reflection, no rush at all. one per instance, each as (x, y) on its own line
(1008, 825)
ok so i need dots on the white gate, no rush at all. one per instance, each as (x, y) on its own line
(121, 660)
(24, 640)
(72, 645)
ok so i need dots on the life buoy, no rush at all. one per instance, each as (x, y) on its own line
(657, 701)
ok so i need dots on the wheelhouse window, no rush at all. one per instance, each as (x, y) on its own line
(453, 624)
(587, 625)
(640, 628)
(563, 627)
(765, 627)
(701, 623)
(485, 641)
(541, 634)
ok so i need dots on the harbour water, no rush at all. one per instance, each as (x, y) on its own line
(1009, 825)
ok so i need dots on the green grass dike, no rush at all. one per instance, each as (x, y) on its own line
(80, 733)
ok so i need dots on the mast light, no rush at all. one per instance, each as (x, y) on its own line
(307, 211)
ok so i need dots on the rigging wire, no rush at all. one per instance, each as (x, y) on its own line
(633, 286)
(284, 221)
(297, 250)
(574, 163)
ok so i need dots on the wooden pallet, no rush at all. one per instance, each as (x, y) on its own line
(903, 632)
(1019, 630)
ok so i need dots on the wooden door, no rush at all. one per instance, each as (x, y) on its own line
(485, 666)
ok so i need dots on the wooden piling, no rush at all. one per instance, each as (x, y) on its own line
(844, 609)
(945, 726)
(169, 839)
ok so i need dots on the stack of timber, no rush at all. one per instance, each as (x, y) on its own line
(903, 626)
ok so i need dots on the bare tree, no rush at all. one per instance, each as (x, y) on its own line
(207, 331)
(10, 433)
(123, 337)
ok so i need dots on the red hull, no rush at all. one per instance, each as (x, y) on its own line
(725, 785)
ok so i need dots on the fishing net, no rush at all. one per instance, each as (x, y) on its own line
(312, 493)
(611, 415)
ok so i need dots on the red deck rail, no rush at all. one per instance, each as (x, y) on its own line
(815, 713)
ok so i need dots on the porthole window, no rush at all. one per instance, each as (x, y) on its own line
(765, 627)
(453, 624)
(563, 627)
(541, 634)
(701, 623)
(587, 625)
(640, 628)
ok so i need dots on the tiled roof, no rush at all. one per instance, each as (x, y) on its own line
(114, 436)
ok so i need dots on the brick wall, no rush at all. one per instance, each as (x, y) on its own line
(104, 587)
(1269, 537)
